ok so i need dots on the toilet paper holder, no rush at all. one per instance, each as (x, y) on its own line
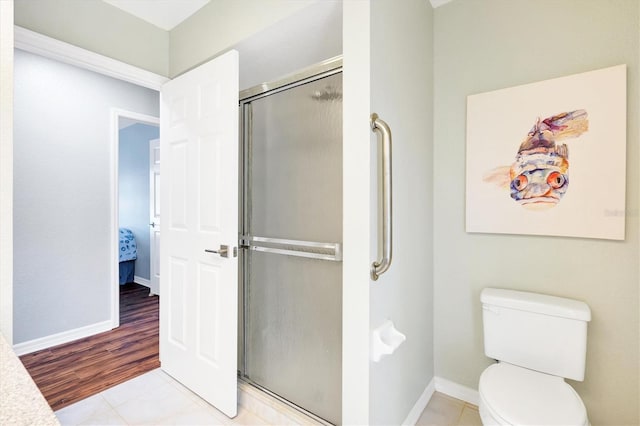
(385, 339)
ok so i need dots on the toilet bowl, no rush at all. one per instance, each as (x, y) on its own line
(512, 395)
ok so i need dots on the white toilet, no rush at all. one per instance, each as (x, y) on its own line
(538, 340)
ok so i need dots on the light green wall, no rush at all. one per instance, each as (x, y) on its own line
(402, 93)
(99, 27)
(492, 44)
(221, 24)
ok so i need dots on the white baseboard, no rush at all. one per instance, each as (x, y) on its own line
(420, 404)
(60, 338)
(457, 391)
(142, 281)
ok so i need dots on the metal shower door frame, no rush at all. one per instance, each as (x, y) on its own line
(245, 241)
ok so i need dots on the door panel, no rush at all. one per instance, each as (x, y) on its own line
(209, 165)
(154, 213)
(177, 312)
(208, 346)
(177, 153)
(199, 182)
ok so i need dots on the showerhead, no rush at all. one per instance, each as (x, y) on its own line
(328, 94)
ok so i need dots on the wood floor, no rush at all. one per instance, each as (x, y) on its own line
(73, 371)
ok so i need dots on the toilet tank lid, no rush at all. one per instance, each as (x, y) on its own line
(537, 303)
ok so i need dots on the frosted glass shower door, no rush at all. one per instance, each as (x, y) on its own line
(293, 275)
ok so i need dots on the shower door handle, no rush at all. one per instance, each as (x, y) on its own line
(384, 135)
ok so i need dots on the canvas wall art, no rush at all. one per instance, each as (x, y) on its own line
(549, 158)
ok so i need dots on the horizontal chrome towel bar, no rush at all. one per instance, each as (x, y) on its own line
(308, 249)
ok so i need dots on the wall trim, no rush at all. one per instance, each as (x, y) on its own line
(142, 281)
(421, 404)
(457, 391)
(51, 48)
(60, 338)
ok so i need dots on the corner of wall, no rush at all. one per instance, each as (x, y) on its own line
(6, 170)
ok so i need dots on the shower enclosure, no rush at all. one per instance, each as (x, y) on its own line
(291, 235)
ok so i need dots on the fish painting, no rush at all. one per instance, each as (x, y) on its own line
(539, 176)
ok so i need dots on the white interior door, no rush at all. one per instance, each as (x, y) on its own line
(154, 215)
(199, 204)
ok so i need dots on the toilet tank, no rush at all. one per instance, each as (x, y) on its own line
(536, 331)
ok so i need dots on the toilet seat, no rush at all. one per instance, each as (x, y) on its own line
(513, 395)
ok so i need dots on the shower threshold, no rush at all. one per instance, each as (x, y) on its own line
(273, 408)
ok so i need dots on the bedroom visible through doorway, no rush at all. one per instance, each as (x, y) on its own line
(138, 215)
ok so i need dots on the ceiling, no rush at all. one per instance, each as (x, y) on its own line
(165, 14)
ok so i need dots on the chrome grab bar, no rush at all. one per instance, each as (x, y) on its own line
(309, 249)
(382, 129)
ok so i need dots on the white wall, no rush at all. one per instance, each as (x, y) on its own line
(402, 95)
(493, 44)
(6, 170)
(62, 206)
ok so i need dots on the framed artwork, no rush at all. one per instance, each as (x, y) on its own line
(549, 158)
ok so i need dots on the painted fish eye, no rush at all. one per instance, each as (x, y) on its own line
(520, 182)
(556, 180)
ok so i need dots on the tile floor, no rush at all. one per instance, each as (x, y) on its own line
(443, 410)
(157, 399)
